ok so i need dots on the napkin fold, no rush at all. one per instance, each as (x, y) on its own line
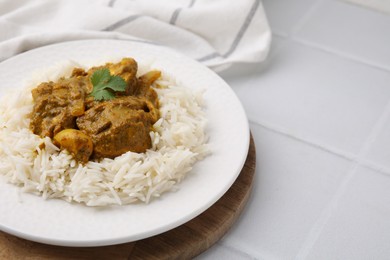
(214, 32)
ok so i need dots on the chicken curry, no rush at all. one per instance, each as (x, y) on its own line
(89, 128)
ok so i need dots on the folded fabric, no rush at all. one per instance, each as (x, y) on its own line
(214, 32)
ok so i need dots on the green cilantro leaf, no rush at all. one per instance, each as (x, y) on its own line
(116, 83)
(105, 85)
(100, 76)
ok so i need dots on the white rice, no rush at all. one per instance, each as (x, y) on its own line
(179, 140)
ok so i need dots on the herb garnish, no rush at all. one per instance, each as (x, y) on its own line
(105, 85)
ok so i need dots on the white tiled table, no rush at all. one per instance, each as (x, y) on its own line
(319, 111)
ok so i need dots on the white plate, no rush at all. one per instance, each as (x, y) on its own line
(60, 223)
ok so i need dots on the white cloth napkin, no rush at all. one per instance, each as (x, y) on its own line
(214, 32)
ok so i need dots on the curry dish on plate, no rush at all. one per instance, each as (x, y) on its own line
(65, 111)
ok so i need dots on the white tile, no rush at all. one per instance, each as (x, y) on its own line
(222, 252)
(293, 183)
(314, 95)
(360, 227)
(379, 152)
(283, 15)
(356, 31)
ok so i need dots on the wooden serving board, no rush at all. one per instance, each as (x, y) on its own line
(183, 242)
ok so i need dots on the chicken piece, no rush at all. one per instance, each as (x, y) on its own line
(119, 125)
(56, 105)
(76, 143)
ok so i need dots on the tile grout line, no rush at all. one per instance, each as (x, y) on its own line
(339, 54)
(328, 50)
(329, 149)
(328, 211)
(375, 167)
(363, 6)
